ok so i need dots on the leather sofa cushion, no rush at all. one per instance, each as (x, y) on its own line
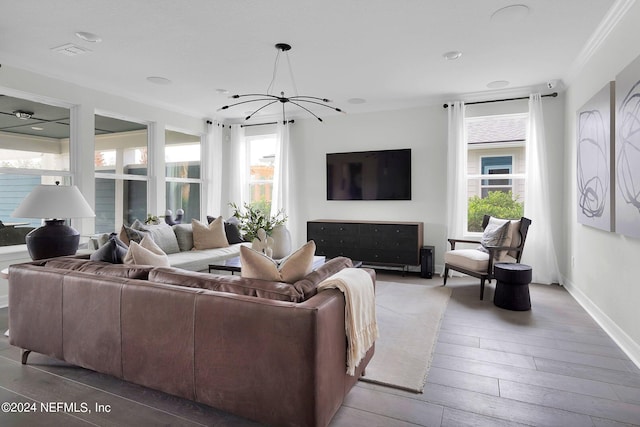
(232, 284)
(101, 268)
(308, 285)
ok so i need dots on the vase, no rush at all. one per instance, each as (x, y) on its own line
(281, 241)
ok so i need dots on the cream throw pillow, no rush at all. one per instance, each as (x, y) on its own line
(497, 233)
(256, 265)
(147, 252)
(210, 236)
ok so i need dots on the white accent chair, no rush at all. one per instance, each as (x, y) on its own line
(478, 262)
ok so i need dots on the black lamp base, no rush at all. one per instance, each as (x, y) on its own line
(53, 239)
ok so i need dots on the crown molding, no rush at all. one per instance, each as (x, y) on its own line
(607, 25)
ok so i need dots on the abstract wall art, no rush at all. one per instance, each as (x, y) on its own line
(627, 160)
(594, 169)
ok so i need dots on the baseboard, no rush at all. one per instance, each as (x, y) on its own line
(624, 341)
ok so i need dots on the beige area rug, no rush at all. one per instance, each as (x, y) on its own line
(408, 321)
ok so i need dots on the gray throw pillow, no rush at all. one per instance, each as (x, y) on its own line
(162, 235)
(184, 235)
(113, 251)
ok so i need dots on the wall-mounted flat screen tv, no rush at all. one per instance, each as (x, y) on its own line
(369, 175)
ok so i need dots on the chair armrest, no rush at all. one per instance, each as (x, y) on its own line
(501, 248)
(453, 242)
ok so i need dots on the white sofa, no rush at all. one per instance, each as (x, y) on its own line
(177, 242)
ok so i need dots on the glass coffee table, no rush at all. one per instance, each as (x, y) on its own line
(233, 264)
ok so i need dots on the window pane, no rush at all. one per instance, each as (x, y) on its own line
(501, 202)
(39, 139)
(261, 170)
(119, 143)
(185, 196)
(112, 211)
(182, 155)
(13, 189)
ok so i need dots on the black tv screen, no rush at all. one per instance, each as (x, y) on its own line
(369, 175)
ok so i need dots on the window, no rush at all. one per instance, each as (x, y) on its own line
(261, 157)
(183, 173)
(495, 167)
(121, 173)
(34, 150)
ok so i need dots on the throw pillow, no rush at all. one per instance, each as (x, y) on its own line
(128, 234)
(496, 233)
(256, 265)
(231, 229)
(184, 235)
(147, 252)
(113, 251)
(162, 234)
(209, 237)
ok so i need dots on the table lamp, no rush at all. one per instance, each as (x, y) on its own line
(54, 203)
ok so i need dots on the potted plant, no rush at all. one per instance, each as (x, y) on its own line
(251, 219)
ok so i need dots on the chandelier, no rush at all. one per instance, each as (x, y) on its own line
(268, 98)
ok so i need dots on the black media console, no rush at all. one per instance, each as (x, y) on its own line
(372, 242)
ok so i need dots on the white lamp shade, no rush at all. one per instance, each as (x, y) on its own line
(54, 201)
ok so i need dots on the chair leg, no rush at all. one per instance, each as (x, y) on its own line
(446, 274)
(481, 289)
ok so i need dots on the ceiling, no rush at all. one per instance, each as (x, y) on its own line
(387, 53)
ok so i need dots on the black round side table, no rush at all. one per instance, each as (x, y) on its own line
(512, 287)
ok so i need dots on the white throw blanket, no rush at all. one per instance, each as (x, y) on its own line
(361, 327)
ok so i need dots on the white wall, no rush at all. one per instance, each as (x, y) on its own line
(605, 274)
(424, 130)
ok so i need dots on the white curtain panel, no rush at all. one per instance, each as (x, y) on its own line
(281, 198)
(539, 250)
(212, 174)
(456, 172)
(238, 191)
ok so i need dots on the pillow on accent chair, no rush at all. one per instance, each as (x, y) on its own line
(256, 265)
(147, 252)
(113, 251)
(209, 237)
(496, 233)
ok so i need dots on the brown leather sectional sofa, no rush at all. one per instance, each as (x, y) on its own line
(269, 351)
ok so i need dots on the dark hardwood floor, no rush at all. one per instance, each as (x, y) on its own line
(551, 366)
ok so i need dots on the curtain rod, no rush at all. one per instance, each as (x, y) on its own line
(263, 124)
(553, 95)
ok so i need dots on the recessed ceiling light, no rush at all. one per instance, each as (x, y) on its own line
(158, 80)
(497, 84)
(356, 101)
(36, 128)
(88, 37)
(511, 14)
(452, 55)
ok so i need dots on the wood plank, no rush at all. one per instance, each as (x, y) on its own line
(501, 408)
(463, 380)
(588, 372)
(482, 354)
(457, 418)
(526, 376)
(547, 397)
(402, 409)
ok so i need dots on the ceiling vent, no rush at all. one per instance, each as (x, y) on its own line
(70, 49)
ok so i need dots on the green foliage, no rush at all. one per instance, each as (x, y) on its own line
(498, 204)
(252, 218)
